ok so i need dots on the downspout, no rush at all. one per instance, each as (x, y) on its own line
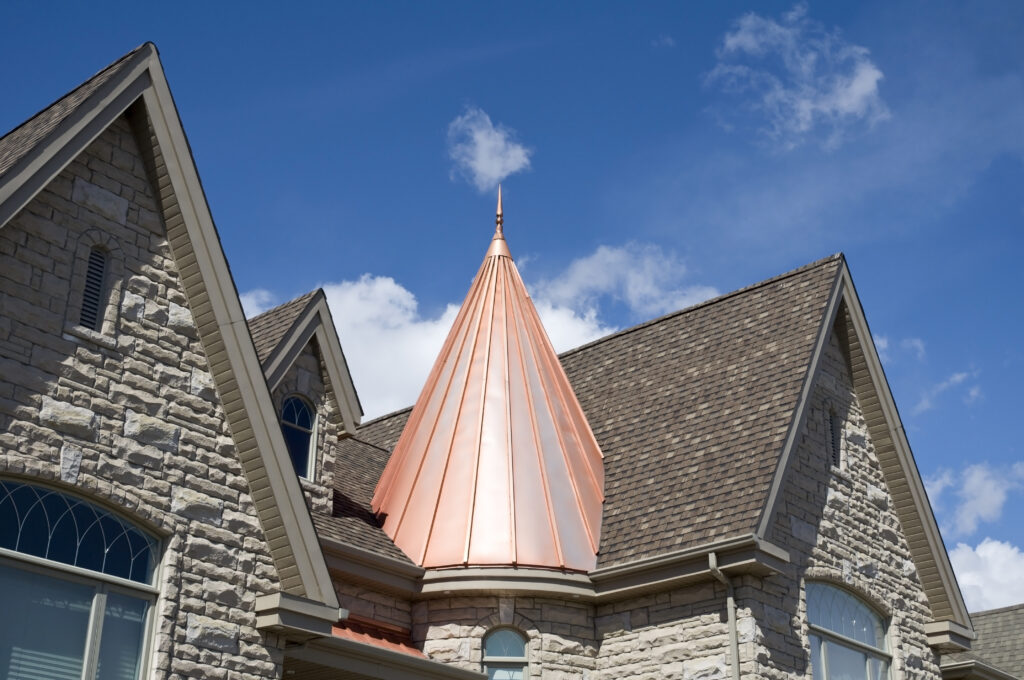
(730, 606)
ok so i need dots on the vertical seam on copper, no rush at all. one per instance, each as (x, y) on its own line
(505, 297)
(540, 450)
(455, 428)
(426, 447)
(491, 288)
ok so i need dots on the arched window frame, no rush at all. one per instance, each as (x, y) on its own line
(516, 667)
(830, 647)
(110, 300)
(311, 446)
(107, 598)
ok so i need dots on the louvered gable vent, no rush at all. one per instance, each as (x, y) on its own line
(93, 294)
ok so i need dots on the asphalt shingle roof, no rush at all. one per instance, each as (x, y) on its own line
(269, 328)
(17, 143)
(690, 410)
(1000, 640)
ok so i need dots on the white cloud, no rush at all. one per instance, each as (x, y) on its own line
(989, 574)
(980, 492)
(936, 485)
(916, 345)
(390, 345)
(973, 395)
(257, 301)
(824, 86)
(484, 153)
(882, 347)
(928, 397)
(663, 41)
(645, 278)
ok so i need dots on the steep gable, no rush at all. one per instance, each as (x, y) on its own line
(136, 84)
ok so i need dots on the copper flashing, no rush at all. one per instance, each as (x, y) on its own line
(497, 464)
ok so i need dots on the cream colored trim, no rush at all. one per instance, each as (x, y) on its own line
(521, 581)
(315, 321)
(359, 564)
(972, 669)
(900, 470)
(366, 661)
(295, 618)
(800, 413)
(214, 302)
(74, 133)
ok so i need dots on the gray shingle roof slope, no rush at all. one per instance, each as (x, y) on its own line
(1000, 640)
(17, 143)
(690, 410)
(269, 328)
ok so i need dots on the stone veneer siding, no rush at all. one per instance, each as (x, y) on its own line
(307, 378)
(839, 525)
(129, 416)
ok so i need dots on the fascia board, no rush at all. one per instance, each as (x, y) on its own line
(972, 669)
(800, 413)
(50, 156)
(227, 311)
(315, 320)
(374, 662)
(904, 455)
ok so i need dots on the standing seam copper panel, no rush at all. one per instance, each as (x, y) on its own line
(497, 464)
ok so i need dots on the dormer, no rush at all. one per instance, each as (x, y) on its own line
(312, 390)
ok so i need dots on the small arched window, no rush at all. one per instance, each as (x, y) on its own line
(298, 420)
(80, 580)
(848, 639)
(94, 293)
(505, 655)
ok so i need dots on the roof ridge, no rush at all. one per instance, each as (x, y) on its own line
(284, 304)
(706, 303)
(81, 86)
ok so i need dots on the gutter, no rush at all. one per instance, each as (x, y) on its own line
(730, 605)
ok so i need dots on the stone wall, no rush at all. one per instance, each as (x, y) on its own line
(560, 634)
(839, 525)
(128, 415)
(307, 377)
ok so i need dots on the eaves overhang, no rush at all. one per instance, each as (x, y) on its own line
(972, 669)
(363, 661)
(739, 555)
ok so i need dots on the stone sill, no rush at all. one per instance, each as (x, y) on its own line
(92, 336)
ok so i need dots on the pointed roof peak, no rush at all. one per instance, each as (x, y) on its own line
(497, 465)
(499, 219)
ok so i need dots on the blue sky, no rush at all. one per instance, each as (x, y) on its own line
(650, 158)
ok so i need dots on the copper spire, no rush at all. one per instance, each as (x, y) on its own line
(497, 464)
(499, 219)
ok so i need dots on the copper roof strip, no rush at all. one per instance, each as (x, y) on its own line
(496, 465)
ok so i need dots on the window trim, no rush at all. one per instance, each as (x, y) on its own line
(828, 637)
(513, 662)
(314, 434)
(102, 584)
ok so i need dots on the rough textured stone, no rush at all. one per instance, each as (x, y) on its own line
(195, 505)
(149, 430)
(70, 463)
(204, 631)
(75, 420)
(100, 201)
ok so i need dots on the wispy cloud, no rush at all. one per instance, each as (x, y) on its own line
(663, 41)
(484, 153)
(391, 344)
(989, 573)
(928, 397)
(257, 301)
(803, 81)
(916, 345)
(979, 495)
(882, 347)
(647, 279)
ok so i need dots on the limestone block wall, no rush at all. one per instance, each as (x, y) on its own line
(307, 378)
(560, 634)
(373, 604)
(128, 415)
(839, 525)
(681, 633)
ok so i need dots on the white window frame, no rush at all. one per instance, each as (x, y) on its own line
(102, 583)
(513, 662)
(310, 472)
(828, 638)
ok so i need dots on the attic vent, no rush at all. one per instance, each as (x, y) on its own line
(835, 431)
(93, 293)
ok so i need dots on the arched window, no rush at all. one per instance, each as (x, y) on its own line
(848, 639)
(94, 293)
(505, 655)
(297, 424)
(81, 581)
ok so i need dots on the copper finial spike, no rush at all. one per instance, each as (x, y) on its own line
(499, 220)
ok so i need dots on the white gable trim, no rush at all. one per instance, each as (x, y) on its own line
(315, 321)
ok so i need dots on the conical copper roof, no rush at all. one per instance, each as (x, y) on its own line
(497, 464)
